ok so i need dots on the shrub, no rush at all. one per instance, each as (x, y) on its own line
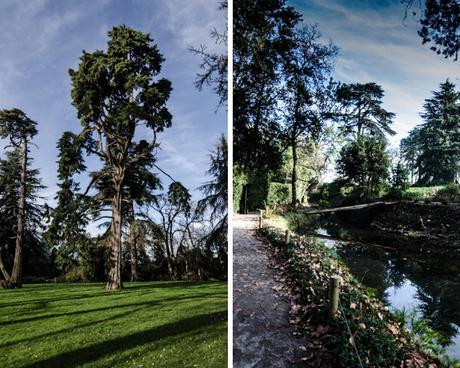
(278, 193)
(240, 179)
(450, 193)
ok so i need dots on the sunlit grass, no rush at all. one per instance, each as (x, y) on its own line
(148, 324)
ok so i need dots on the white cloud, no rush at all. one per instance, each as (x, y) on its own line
(377, 44)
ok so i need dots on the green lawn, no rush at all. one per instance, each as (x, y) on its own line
(148, 324)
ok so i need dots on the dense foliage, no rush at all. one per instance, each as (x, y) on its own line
(365, 162)
(432, 149)
(19, 129)
(440, 24)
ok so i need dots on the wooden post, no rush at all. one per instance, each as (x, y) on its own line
(286, 237)
(334, 288)
(260, 221)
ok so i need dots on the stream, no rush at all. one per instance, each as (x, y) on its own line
(404, 276)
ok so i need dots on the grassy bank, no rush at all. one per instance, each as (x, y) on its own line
(339, 193)
(445, 193)
(148, 324)
(380, 337)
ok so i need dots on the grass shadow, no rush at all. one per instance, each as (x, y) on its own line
(94, 352)
(109, 307)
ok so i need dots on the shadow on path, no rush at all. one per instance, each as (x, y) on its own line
(262, 335)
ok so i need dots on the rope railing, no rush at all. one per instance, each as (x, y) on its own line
(352, 339)
(334, 299)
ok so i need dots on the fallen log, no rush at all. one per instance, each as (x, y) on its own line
(348, 208)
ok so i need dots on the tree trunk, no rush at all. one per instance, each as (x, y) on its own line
(114, 276)
(168, 254)
(133, 245)
(16, 274)
(4, 283)
(294, 172)
(172, 265)
(133, 257)
(134, 274)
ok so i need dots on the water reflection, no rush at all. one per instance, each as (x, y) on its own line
(404, 275)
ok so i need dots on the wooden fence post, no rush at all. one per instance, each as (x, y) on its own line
(286, 237)
(334, 288)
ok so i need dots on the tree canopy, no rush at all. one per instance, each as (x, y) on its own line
(115, 92)
(432, 149)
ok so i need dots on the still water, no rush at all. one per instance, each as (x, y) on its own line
(405, 276)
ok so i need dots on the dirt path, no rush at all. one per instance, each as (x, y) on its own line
(262, 335)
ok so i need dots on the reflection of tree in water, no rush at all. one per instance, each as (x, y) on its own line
(370, 266)
(437, 295)
(438, 309)
(438, 291)
(436, 277)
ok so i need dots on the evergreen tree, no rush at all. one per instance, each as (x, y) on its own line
(139, 188)
(432, 149)
(215, 201)
(19, 130)
(114, 92)
(32, 249)
(66, 231)
(362, 111)
(400, 177)
(439, 161)
(410, 150)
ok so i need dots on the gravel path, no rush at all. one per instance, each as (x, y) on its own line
(262, 335)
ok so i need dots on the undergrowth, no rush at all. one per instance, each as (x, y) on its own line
(381, 337)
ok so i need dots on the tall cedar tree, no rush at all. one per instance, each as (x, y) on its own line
(263, 32)
(19, 130)
(307, 68)
(362, 111)
(433, 148)
(114, 92)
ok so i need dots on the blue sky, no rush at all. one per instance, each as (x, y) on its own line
(378, 45)
(42, 39)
